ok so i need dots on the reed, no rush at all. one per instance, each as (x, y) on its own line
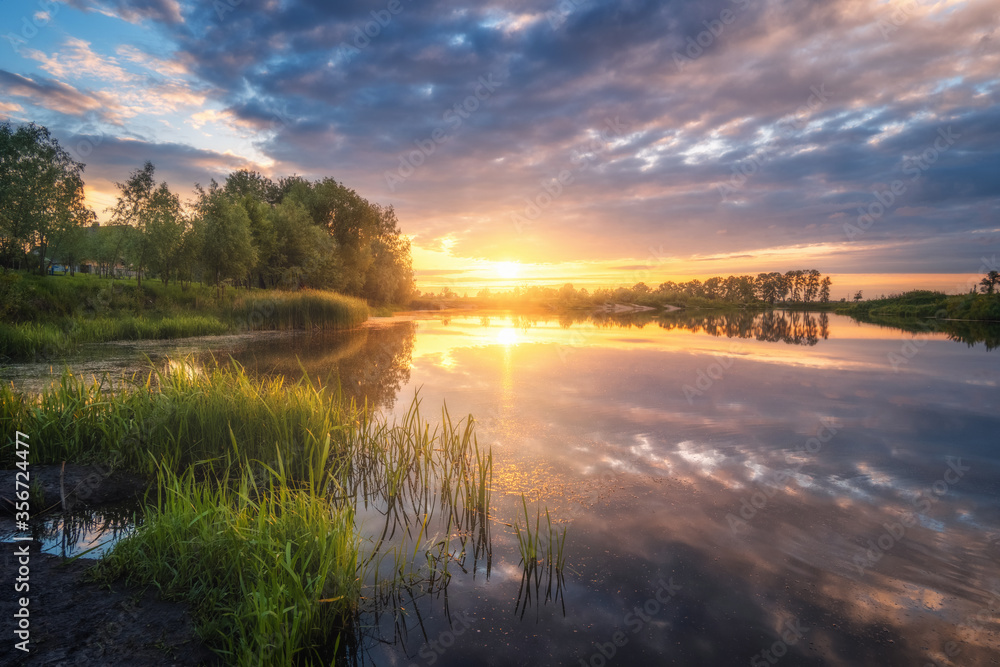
(269, 569)
(542, 549)
(259, 482)
(303, 309)
(47, 319)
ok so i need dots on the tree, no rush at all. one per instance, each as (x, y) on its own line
(41, 194)
(165, 229)
(858, 296)
(225, 242)
(389, 279)
(304, 253)
(245, 183)
(712, 288)
(990, 282)
(810, 285)
(153, 213)
(770, 287)
(824, 290)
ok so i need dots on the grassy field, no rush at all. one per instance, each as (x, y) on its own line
(45, 318)
(257, 487)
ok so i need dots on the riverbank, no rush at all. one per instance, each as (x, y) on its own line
(254, 485)
(76, 620)
(47, 317)
(925, 304)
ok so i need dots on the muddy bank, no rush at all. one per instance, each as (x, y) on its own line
(77, 622)
(55, 488)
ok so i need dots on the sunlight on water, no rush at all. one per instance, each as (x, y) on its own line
(779, 467)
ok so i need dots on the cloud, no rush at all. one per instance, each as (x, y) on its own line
(135, 11)
(78, 59)
(57, 96)
(804, 110)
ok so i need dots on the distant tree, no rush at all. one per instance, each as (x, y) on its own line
(712, 288)
(669, 287)
(858, 296)
(824, 290)
(770, 287)
(794, 281)
(989, 283)
(811, 285)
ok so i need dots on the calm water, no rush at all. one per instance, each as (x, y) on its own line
(802, 485)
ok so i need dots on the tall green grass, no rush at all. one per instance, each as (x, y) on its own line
(259, 484)
(269, 568)
(179, 417)
(304, 309)
(47, 318)
(543, 558)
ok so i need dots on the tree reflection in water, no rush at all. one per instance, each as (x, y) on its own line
(793, 327)
(370, 364)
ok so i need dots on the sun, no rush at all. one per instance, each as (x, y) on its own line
(508, 270)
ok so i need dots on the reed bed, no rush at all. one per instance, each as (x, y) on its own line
(122, 315)
(303, 309)
(259, 483)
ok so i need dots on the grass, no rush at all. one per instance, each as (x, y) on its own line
(926, 304)
(45, 318)
(543, 557)
(269, 569)
(259, 482)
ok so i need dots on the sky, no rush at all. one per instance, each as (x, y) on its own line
(554, 141)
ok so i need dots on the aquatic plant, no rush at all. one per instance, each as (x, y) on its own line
(258, 486)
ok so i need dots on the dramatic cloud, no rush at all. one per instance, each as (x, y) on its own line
(740, 130)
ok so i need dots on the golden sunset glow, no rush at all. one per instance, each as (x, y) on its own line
(508, 270)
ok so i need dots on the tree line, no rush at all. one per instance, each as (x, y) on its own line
(798, 287)
(248, 231)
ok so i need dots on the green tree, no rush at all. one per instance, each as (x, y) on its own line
(246, 183)
(41, 194)
(165, 229)
(989, 283)
(225, 242)
(152, 212)
(389, 278)
(305, 255)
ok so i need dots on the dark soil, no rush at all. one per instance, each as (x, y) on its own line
(77, 622)
(79, 485)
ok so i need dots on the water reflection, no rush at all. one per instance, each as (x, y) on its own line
(370, 363)
(88, 532)
(968, 332)
(847, 489)
(761, 497)
(794, 328)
